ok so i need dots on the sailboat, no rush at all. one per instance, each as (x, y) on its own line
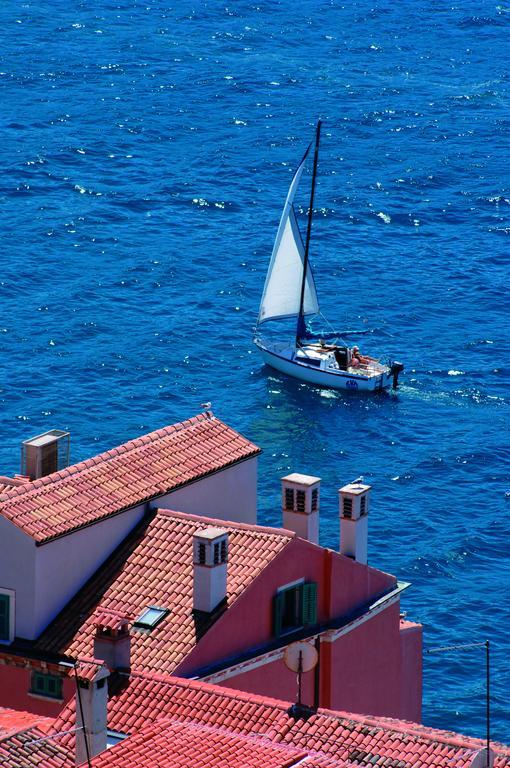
(290, 292)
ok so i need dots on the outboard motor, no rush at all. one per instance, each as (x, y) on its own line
(342, 355)
(396, 369)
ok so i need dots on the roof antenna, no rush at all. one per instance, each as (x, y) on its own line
(300, 657)
(485, 756)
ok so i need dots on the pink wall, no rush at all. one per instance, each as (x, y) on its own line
(15, 683)
(411, 639)
(274, 680)
(365, 667)
(362, 671)
(249, 622)
(343, 585)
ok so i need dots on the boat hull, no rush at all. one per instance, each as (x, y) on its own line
(343, 380)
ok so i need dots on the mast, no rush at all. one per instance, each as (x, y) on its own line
(301, 323)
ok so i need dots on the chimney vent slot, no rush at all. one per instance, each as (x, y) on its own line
(347, 507)
(201, 554)
(289, 498)
(300, 501)
(315, 499)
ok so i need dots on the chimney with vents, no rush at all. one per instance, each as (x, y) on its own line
(112, 641)
(91, 708)
(354, 499)
(210, 553)
(300, 505)
(45, 454)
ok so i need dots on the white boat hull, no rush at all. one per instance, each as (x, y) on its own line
(372, 379)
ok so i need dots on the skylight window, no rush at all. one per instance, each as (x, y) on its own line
(150, 618)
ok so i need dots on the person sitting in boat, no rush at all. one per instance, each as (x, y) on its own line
(358, 359)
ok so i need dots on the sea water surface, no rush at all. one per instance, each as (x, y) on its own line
(146, 150)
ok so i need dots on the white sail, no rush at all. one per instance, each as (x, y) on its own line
(282, 289)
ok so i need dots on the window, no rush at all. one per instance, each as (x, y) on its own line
(295, 607)
(5, 616)
(46, 685)
(150, 618)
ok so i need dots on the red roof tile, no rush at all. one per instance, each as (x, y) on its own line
(154, 566)
(13, 720)
(330, 739)
(141, 469)
(32, 749)
(170, 744)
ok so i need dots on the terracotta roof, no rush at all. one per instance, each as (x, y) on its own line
(6, 483)
(30, 749)
(154, 566)
(13, 720)
(328, 738)
(170, 744)
(18, 732)
(139, 470)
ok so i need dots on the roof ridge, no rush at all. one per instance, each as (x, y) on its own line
(201, 685)
(410, 728)
(111, 453)
(253, 527)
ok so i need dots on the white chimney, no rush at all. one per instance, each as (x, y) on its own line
(112, 641)
(91, 708)
(44, 454)
(480, 759)
(210, 554)
(300, 505)
(354, 502)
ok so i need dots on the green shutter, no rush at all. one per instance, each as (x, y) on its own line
(4, 617)
(309, 603)
(47, 685)
(278, 613)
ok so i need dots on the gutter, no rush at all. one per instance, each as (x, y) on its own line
(328, 632)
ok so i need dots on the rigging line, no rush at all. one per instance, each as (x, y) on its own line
(87, 752)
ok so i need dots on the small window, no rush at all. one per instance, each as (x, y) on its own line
(5, 618)
(295, 607)
(46, 685)
(289, 498)
(150, 618)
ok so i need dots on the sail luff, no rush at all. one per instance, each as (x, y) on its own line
(281, 294)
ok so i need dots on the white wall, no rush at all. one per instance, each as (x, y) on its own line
(17, 572)
(63, 565)
(45, 578)
(227, 495)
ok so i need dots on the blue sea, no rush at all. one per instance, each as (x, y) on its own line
(146, 151)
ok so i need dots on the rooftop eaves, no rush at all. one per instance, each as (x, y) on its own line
(133, 473)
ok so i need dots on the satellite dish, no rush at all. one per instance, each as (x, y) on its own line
(300, 657)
